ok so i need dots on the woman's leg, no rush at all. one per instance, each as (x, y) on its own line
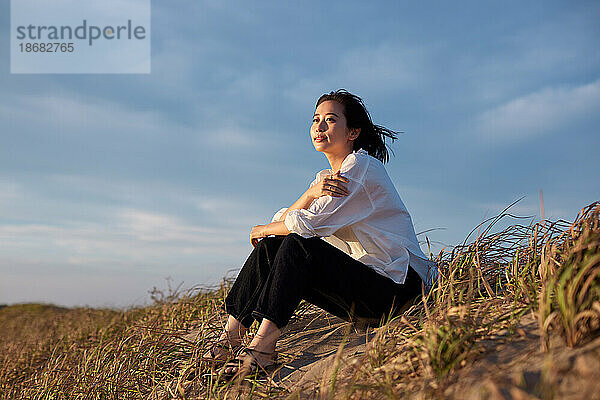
(264, 341)
(314, 270)
(243, 294)
(245, 291)
(234, 331)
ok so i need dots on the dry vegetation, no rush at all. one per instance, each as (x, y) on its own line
(522, 305)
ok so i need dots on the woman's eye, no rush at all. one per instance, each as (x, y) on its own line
(329, 119)
(315, 120)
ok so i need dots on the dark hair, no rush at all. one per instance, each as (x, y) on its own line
(371, 137)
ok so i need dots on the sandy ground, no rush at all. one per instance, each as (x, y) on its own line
(315, 346)
(312, 348)
(514, 367)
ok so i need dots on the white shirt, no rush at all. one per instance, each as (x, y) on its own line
(371, 223)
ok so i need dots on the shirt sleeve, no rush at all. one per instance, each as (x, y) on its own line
(278, 214)
(327, 214)
(317, 179)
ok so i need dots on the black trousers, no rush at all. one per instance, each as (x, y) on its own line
(283, 270)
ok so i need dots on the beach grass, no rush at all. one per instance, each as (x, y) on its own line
(546, 272)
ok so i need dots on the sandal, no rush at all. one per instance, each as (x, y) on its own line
(251, 367)
(217, 358)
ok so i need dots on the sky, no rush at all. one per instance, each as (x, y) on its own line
(112, 184)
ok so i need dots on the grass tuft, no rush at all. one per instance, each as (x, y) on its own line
(570, 301)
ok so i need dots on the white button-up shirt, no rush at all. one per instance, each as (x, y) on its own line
(371, 223)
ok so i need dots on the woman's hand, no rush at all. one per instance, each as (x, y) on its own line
(257, 233)
(262, 231)
(331, 185)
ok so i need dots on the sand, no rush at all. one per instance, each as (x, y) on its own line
(312, 348)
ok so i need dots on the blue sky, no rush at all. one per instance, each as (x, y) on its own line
(111, 183)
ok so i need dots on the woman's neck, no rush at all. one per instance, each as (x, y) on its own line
(336, 160)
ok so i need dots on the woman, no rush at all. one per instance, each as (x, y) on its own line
(347, 245)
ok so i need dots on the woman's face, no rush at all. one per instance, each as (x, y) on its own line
(329, 131)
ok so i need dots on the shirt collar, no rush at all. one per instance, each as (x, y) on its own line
(347, 159)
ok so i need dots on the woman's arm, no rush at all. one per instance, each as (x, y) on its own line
(328, 214)
(278, 228)
(302, 203)
(274, 228)
(332, 185)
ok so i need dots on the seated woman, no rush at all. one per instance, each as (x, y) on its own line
(347, 245)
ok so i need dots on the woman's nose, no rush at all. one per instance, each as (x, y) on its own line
(322, 126)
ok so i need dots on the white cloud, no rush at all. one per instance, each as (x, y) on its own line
(236, 137)
(538, 113)
(104, 121)
(125, 232)
(305, 91)
(128, 192)
(80, 116)
(110, 239)
(523, 58)
(133, 239)
(382, 67)
(386, 66)
(145, 226)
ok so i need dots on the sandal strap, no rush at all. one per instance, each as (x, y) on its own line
(252, 363)
(238, 363)
(223, 345)
(250, 351)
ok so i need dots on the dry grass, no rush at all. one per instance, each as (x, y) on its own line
(484, 288)
(549, 269)
(570, 295)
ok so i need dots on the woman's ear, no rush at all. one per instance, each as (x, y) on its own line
(354, 133)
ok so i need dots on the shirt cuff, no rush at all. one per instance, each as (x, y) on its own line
(296, 223)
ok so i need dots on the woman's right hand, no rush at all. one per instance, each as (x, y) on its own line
(330, 185)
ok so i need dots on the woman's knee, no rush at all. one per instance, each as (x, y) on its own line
(295, 245)
(292, 236)
(269, 242)
(292, 239)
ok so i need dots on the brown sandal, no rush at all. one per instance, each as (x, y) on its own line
(244, 368)
(216, 359)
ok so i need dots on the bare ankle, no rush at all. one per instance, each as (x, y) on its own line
(234, 331)
(263, 345)
(234, 339)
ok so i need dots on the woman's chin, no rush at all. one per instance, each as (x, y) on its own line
(319, 147)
